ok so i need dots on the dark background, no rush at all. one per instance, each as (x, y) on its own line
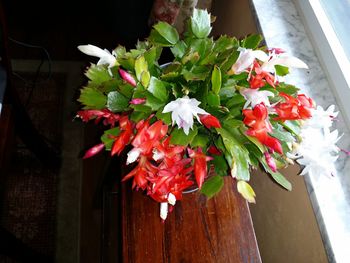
(60, 26)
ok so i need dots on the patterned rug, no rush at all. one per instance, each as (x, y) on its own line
(28, 209)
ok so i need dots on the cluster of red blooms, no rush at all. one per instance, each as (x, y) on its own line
(256, 119)
(162, 168)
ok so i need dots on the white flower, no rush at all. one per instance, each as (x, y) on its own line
(246, 59)
(283, 60)
(321, 118)
(255, 96)
(105, 56)
(133, 155)
(318, 150)
(183, 110)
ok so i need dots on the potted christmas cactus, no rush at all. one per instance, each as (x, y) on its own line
(218, 108)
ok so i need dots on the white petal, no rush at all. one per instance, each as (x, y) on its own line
(261, 55)
(290, 61)
(133, 155)
(171, 199)
(170, 107)
(163, 210)
(92, 50)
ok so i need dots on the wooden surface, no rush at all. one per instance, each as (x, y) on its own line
(217, 230)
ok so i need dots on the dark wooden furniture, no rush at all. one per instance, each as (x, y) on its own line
(122, 225)
(198, 230)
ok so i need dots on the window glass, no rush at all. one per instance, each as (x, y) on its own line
(338, 13)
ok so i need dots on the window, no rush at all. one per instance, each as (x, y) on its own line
(328, 25)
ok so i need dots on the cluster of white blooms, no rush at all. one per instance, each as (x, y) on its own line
(318, 150)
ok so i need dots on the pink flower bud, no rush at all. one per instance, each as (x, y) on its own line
(137, 101)
(94, 150)
(127, 77)
(270, 162)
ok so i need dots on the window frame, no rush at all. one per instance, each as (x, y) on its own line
(329, 50)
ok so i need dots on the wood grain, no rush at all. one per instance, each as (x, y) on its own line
(198, 230)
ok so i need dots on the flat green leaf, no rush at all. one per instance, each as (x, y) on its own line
(281, 134)
(153, 102)
(246, 191)
(212, 186)
(200, 140)
(237, 155)
(92, 98)
(220, 165)
(151, 56)
(167, 31)
(229, 61)
(136, 116)
(165, 117)
(179, 49)
(97, 74)
(216, 80)
(292, 126)
(286, 88)
(252, 41)
(158, 89)
(200, 23)
(180, 138)
(278, 177)
(116, 102)
(140, 66)
(281, 70)
(107, 138)
(190, 75)
(223, 43)
(145, 78)
(157, 39)
(213, 99)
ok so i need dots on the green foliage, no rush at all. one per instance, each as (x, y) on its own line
(97, 74)
(92, 98)
(168, 32)
(108, 137)
(180, 138)
(212, 186)
(117, 102)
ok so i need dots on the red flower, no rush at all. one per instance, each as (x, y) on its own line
(213, 150)
(209, 121)
(260, 78)
(108, 116)
(148, 137)
(141, 174)
(294, 108)
(123, 139)
(200, 165)
(256, 119)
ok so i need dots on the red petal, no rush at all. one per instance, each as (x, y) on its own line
(210, 121)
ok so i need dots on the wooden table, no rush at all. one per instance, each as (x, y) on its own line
(130, 230)
(198, 230)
